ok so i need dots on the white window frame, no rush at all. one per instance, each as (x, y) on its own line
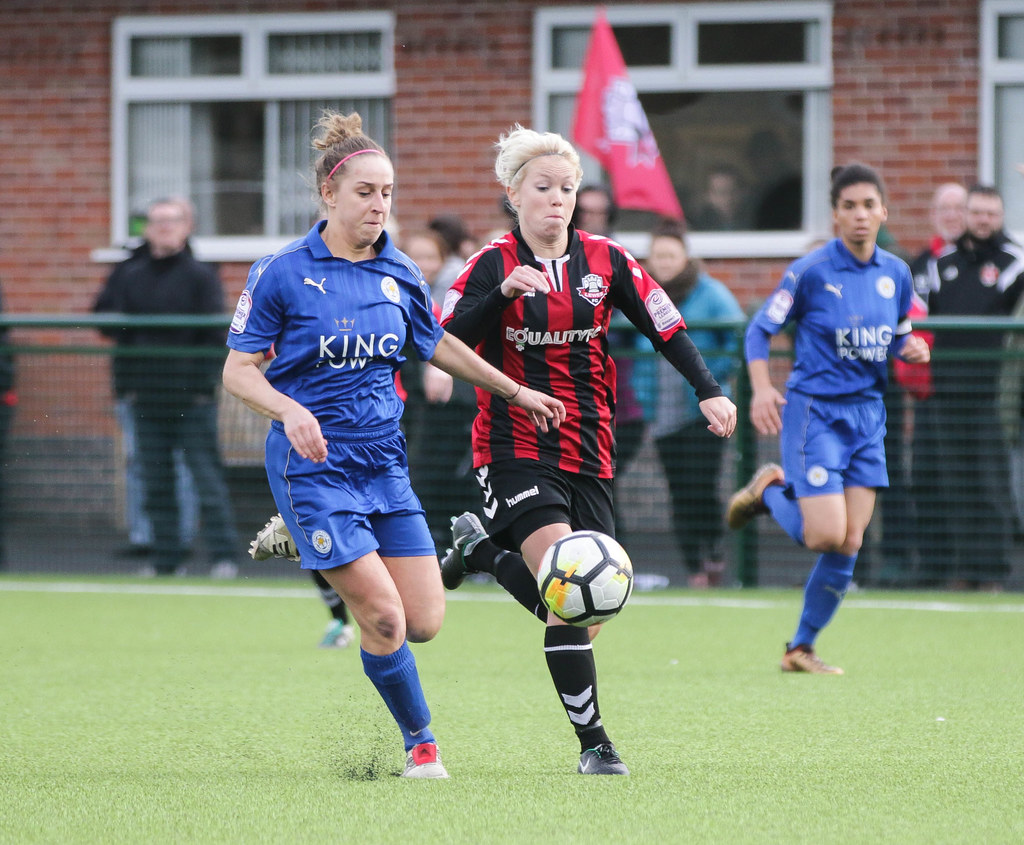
(996, 72)
(252, 83)
(812, 77)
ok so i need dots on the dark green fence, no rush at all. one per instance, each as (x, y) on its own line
(65, 497)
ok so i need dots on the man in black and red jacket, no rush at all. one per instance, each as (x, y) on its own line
(961, 463)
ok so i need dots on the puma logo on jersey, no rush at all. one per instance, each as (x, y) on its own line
(836, 289)
(318, 285)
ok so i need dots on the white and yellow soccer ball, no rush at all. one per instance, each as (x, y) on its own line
(585, 578)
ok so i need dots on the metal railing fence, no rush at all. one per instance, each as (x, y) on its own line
(953, 513)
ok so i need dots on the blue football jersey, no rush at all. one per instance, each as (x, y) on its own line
(846, 316)
(337, 328)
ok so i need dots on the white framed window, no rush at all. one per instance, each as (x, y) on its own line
(1001, 142)
(739, 98)
(220, 109)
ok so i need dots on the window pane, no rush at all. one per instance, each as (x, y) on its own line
(227, 168)
(745, 146)
(1011, 37)
(328, 52)
(569, 47)
(764, 42)
(641, 46)
(219, 55)
(644, 46)
(213, 153)
(1009, 131)
(757, 135)
(157, 153)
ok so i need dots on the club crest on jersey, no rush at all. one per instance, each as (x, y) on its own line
(989, 275)
(594, 289)
(241, 312)
(389, 287)
(321, 541)
(886, 287)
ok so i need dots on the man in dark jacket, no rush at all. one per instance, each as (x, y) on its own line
(173, 394)
(961, 461)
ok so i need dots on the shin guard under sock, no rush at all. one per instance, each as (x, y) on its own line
(826, 586)
(398, 682)
(570, 659)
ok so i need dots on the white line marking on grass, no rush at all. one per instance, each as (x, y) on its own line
(647, 599)
(157, 589)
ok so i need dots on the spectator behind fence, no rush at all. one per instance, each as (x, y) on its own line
(8, 399)
(172, 397)
(690, 455)
(139, 525)
(596, 213)
(910, 386)
(725, 206)
(439, 413)
(848, 303)
(961, 460)
(460, 245)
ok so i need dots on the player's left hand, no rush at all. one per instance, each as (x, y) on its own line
(539, 407)
(720, 412)
(916, 350)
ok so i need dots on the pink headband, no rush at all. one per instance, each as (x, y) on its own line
(346, 158)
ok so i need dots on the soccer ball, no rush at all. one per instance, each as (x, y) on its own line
(585, 578)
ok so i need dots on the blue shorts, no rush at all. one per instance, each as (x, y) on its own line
(829, 445)
(359, 501)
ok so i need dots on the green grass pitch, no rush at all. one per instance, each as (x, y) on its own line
(189, 711)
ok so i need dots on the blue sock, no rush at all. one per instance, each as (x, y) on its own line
(398, 682)
(826, 586)
(785, 510)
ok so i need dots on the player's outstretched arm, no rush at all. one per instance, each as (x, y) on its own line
(457, 359)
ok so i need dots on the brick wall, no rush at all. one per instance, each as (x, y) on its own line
(905, 100)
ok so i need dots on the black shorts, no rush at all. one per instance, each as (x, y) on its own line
(520, 496)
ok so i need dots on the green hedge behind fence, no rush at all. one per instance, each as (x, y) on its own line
(64, 493)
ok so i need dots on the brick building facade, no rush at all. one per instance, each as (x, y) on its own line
(905, 97)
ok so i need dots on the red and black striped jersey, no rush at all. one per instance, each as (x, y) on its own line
(555, 343)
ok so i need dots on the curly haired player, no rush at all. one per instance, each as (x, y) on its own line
(848, 302)
(338, 307)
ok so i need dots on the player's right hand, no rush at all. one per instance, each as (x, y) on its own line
(539, 407)
(522, 280)
(303, 431)
(764, 410)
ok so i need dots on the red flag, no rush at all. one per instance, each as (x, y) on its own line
(610, 124)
